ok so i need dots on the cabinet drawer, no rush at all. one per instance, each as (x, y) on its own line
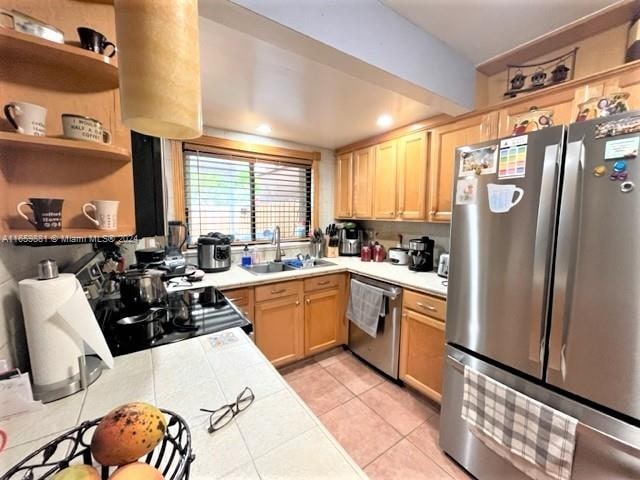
(239, 296)
(320, 283)
(426, 304)
(278, 290)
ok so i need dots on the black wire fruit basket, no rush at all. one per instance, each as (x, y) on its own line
(172, 456)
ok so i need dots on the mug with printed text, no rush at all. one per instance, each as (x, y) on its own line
(501, 197)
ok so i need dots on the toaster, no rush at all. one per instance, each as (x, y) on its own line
(443, 265)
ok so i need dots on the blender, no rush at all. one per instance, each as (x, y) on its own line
(177, 233)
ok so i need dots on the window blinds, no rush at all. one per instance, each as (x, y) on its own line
(246, 197)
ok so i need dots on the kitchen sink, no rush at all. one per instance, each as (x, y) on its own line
(284, 266)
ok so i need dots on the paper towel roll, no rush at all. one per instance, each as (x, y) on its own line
(58, 320)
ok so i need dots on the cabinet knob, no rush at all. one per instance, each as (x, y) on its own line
(297, 302)
(308, 301)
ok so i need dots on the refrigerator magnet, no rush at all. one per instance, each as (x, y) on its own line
(479, 161)
(512, 162)
(503, 197)
(622, 148)
(467, 191)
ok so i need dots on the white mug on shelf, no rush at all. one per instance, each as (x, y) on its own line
(105, 211)
(88, 129)
(501, 197)
(26, 118)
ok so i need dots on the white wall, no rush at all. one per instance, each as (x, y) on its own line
(16, 263)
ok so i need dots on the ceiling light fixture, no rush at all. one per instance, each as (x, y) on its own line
(384, 120)
(159, 67)
(264, 129)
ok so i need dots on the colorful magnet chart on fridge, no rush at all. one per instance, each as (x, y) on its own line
(512, 162)
(467, 191)
(481, 161)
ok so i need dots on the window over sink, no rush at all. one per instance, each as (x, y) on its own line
(247, 196)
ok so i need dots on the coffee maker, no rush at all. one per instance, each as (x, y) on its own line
(421, 254)
(350, 240)
(177, 233)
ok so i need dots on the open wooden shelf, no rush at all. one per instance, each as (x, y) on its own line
(94, 72)
(17, 141)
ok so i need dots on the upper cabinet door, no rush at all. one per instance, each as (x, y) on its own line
(412, 177)
(344, 185)
(444, 141)
(363, 166)
(384, 203)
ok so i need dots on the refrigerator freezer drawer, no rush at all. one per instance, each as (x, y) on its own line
(605, 447)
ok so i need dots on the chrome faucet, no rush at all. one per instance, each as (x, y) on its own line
(275, 240)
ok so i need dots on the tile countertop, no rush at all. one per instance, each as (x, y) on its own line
(426, 282)
(276, 437)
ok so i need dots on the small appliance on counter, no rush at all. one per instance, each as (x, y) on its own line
(443, 265)
(399, 256)
(214, 252)
(350, 240)
(421, 254)
(177, 236)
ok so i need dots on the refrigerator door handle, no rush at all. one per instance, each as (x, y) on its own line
(542, 249)
(568, 233)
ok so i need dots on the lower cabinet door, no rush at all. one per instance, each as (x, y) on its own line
(279, 328)
(322, 321)
(422, 353)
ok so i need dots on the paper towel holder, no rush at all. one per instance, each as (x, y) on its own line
(90, 370)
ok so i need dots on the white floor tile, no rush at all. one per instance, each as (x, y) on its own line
(245, 472)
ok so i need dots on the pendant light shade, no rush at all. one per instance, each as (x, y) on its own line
(159, 67)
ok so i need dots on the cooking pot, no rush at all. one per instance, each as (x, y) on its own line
(399, 256)
(143, 327)
(141, 289)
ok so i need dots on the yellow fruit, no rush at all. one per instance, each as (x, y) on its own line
(127, 433)
(136, 471)
(77, 472)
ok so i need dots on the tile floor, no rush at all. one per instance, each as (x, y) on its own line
(390, 431)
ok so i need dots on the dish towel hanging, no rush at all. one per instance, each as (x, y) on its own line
(366, 306)
(535, 438)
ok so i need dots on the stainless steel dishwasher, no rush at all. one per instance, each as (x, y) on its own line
(383, 351)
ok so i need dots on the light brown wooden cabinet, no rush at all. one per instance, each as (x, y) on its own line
(243, 299)
(298, 318)
(385, 181)
(322, 329)
(444, 142)
(279, 327)
(344, 185)
(363, 174)
(389, 180)
(412, 177)
(422, 345)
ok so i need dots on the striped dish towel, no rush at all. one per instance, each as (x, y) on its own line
(535, 438)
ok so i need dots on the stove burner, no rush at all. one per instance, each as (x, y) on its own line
(183, 315)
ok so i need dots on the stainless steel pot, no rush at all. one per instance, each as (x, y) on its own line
(141, 289)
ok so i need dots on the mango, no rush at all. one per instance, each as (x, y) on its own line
(136, 471)
(127, 433)
(78, 472)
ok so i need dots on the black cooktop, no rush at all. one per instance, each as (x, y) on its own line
(183, 315)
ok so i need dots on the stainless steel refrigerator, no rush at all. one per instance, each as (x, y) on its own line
(544, 287)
